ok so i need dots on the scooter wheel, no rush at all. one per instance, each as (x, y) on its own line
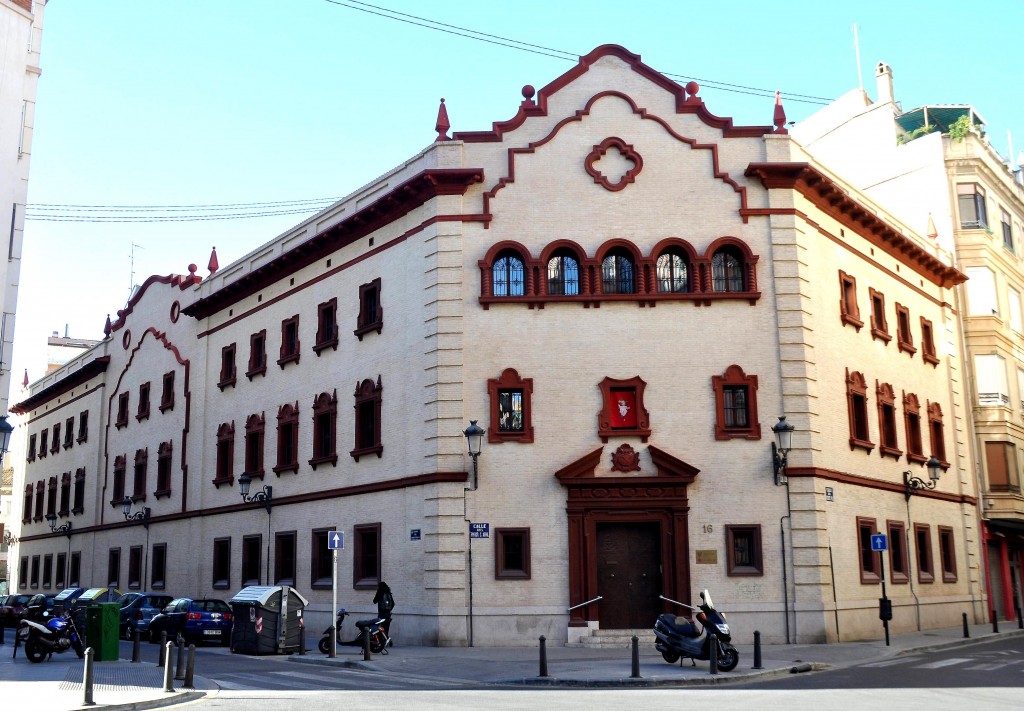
(376, 645)
(670, 657)
(325, 645)
(728, 658)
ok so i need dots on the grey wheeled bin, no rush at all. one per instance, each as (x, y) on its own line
(267, 619)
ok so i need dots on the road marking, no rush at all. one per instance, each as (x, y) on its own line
(944, 663)
(893, 662)
(987, 667)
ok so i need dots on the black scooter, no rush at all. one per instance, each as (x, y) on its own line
(376, 627)
(678, 637)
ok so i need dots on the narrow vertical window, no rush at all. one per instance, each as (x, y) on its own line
(912, 426)
(255, 426)
(35, 571)
(857, 410)
(888, 441)
(79, 496)
(928, 351)
(141, 465)
(849, 311)
(69, 433)
(135, 568)
(120, 464)
(158, 576)
(508, 275)
(290, 347)
(923, 543)
(971, 202)
(55, 443)
(252, 559)
(936, 431)
(326, 326)
(947, 554)
(673, 270)
(870, 565)
(44, 438)
(325, 415)
(47, 570)
(65, 494)
(51, 496)
(511, 416)
(143, 411)
(287, 439)
(75, 569)
(221, 563)
(225, 467)
(371, 312)
(257, 354)
(563, 275)
(879, 324)
(31, 448)
(736, 404)
(114, 568)
(899, 565)
(321, 560)
(26, 506)
(904, 338)
(1004, 219)
(40, 501)
(163, 469)
(284, 558)
(167, 392)
(366, 558)
(227, 367)
(60, 572)
(122, 411)
(83, 426)
(368, 419)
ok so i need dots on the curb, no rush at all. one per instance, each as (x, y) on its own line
(182, 698)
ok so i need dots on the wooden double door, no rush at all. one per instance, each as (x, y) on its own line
(629, 576)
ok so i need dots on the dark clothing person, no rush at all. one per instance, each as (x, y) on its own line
(385, 604)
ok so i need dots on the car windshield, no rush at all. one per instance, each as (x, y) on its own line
(210, 606)
(19, 599)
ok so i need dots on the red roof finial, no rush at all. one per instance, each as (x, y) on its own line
(443, 124)
(214, 265)
(780, 114)
(24, 382)
(107, 327)
(933, 232)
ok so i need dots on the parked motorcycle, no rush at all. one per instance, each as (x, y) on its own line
(43, 635)
(678, 637)
(376, 627)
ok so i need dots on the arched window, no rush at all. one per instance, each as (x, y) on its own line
(563, 275)
(508, 275)
(673, 272)
(727, 270)
(617, 274)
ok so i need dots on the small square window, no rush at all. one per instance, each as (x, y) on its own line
(512, 554)
(743, 550)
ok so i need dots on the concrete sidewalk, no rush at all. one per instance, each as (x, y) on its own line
(613, 667)
(56, 684)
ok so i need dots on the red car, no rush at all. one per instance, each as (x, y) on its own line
(13, 608)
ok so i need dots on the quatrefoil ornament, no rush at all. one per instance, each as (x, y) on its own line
(609, 164)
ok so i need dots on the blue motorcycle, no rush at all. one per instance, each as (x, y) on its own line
(43, 635)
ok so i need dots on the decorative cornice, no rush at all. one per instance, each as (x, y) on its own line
(82, 375)
(396, 203)
(832, 199)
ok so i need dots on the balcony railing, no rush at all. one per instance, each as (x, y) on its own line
(993, 399)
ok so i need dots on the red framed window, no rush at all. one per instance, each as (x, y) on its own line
(65, 494)
(736, 405)
(923, 544)
(51, 496)
(326, 326)
(69, 433)
(366, 559)
(947, 554)
(857, 410)
(167, 392)
(290, 346)
(320, 560)
(284, 558)
(122, 411)
(221, 563)
(79, 496)
(287, 439)
(512, 554)
(371, 312)
(936, 432)
(163, 469)
(44, 438)
(55, 442)
(623, 413)
(928, 352)
(141, 467)
(899, 565)
(26, 507)
(870, 561)
(879, 324)
(228, 372)
(255, 428)
(904, 338)
(888, 442)
(511, 408)
(849, 311)
(224, 472)
(142, 412)
(325, 417)
(257, 354)
(912, 427)
(83, 426)
(120, 465)
(368, 405)
(31, 449)
(743, 550)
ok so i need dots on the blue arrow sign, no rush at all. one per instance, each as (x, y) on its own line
(878, 542)
(336, 541)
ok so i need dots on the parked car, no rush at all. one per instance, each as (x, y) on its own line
(138, 609)
(195, 620)
(13, 609)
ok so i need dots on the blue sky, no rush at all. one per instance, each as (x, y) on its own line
(187, 102)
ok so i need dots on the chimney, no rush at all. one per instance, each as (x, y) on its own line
(883, 83)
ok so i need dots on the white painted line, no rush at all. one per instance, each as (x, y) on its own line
(944, 663)
(893, 662)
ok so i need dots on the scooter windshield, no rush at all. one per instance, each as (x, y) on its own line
(707, 598)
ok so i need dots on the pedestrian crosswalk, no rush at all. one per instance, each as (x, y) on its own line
(983, 662)
(341, 679)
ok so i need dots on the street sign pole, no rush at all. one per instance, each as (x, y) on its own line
(334, 605)
(885, 622)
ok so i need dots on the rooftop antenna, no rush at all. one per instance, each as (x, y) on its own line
(856, 49)
(131, 282)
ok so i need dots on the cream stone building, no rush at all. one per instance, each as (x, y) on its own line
(627, 292)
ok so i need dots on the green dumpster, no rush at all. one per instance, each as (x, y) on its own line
(101, 624)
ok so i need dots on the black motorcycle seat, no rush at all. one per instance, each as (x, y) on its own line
(363, 624)
(680, 625)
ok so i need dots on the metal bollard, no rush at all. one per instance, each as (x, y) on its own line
(995, 622)
(302, 638)
(87, 679)
(3, 631)
(635, 671)
(161, 657)
(366, 645)
(136, 647)
(168, 672)
(967, 630)
(179, 668)
(757, 650)
(190, 668)
(713, 642)
(1020, 620)
(543, 671)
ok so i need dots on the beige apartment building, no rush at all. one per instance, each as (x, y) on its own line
(935, 167)
(626, 292)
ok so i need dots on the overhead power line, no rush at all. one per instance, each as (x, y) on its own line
(521, 46)
(66, 212)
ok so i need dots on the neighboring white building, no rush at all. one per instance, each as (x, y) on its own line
(627, 292)
(21, 30)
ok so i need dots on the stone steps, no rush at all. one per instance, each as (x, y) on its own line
(612, 639)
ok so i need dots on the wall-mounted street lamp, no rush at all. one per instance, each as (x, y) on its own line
(474, 440)
(264, 496)
(780, 449)
(142, 516)
(913, 483)
(9, 539)
(6, 429)
(64, 528)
